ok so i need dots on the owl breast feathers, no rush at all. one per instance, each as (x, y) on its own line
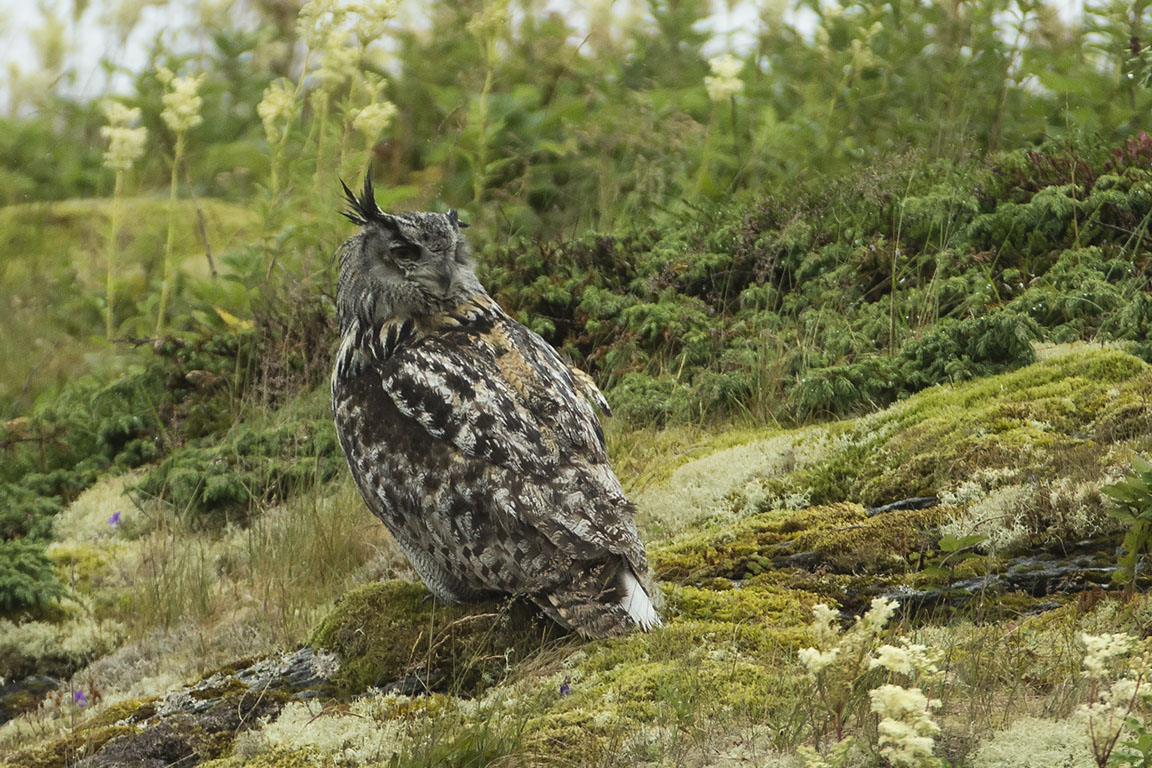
(469, 437)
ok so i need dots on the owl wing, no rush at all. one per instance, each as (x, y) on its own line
(500, 394)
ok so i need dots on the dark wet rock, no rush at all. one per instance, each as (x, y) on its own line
(199, 722)
(183, 740)
(1088, 565)
(23, 695)
(415, 684)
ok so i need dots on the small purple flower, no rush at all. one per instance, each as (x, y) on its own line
(79, 698)
(114, 521)
(565, 689)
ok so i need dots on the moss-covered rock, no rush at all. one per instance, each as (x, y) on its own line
(393, 634)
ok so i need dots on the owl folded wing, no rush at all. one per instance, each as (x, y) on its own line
(506, 399)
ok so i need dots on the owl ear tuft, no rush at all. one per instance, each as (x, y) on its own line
(454, 217)
(363, 210)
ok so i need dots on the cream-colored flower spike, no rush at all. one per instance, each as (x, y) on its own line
(125, 144)
(372, 17)
(181, 103)
(1099, 649)
(491, 18)
(275, 109)
(339, 59)
(725, 81)
(374, 118)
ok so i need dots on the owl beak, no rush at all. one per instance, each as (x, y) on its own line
(444, 278)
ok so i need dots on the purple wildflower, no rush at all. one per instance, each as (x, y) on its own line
(79, 698)
(114, 521)
(565, 689)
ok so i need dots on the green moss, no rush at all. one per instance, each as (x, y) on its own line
(81, 566)
(691, 674)
(836, 537)
(66, 751)
(135, 709)
(390, 632)
(758, 601)
(1057, 418)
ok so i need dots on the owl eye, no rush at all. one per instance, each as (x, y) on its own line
(405, 252)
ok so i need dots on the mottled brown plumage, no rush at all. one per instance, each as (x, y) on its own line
(469, 437)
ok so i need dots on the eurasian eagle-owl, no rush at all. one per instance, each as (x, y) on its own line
(469, 437)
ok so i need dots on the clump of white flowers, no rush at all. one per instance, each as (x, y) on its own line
(490, 20)
(724, 82)
(125, 144)
(906, 659)
(366, 19)
(1117, 667)
(373, 119)
(182, 101)
(276, 108)
(181, 113)
(337, 33)
(906, 728)
(844, 665)
(1099, 650)
(815, 661)
(339, 59)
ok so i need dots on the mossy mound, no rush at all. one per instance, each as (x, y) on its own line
(393, 634)
(1011, 464)
(841, 538)
(1037, 442)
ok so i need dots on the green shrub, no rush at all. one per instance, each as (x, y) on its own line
(27, 580)
(222, 477)
(1133, 507)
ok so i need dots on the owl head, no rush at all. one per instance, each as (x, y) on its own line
(401, 265)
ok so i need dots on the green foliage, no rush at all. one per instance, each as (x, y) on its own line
(223, 477)
(32, 165)
(742, 308)
(1136, 750)
(1133, 508)
(27, 581)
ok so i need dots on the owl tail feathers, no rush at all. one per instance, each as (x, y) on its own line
(637, 603)
(596, 606)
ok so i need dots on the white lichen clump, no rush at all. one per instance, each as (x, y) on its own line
(1034, 741)
(358, 735)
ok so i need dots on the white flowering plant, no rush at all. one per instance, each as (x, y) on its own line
(125, 143)
(1117, 666)
(849, 667)
(724, 82)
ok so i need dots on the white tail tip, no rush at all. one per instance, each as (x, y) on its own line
(638, 604)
